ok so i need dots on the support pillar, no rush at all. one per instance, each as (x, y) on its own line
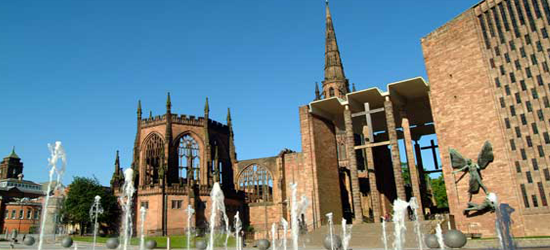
(410, 161)
(396, 160)
(352, 161)
(374, 194)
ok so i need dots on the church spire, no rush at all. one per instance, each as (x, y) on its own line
(168, 103)
(139, 110)
(317, 94)
(335, 83)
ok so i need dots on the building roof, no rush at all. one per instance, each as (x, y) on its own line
(13, 154)
(411, 95)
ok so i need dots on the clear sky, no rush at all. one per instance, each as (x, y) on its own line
(74, 70)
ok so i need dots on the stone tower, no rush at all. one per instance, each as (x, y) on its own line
(335, 83)
(11, 166)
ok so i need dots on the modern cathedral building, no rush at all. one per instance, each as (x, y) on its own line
(488, 81)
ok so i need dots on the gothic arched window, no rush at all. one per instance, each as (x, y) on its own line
(188, 158)
(331, 92)
(257, 184)
(154, 155)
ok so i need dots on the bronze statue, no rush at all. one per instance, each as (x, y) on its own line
(465, 165)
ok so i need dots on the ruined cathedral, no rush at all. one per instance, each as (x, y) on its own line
(349, 165)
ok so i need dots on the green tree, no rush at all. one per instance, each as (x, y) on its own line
(80, 199)
(439, 191)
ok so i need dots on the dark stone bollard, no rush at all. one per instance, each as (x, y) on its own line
(200, 244)
(67, 242)
(150, 244)
(336, 241)
(454, 239)
(112, 243)
(263, 244)
(431, 241)
(29, 240)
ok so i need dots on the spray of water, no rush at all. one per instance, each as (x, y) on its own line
(217, 206)
(503, 223)
(297, 209)
(346, 234)
(95, 211)
(142, 212)
(330, 230)
(399, 213)
(274, 236)
(439, 236)
(413, 203)
(57, 156)
(284, 223)
(384, 235)
(190, 212)
(126, 199)
(238, 226)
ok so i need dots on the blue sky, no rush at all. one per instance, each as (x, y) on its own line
(74, 70)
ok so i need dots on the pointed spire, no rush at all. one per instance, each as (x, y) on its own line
(117, 160)
(317, 93)
(139, 109)
(228, 117)
(334, 70)
(168, 103)
(13, 154)
(353, 87)
(206, 107)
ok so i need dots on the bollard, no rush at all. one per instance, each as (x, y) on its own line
(167, 243)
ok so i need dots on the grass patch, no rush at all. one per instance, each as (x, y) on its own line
(175, 241)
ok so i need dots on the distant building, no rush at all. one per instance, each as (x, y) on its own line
(20, 200)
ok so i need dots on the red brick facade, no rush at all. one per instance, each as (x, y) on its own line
(484, 85)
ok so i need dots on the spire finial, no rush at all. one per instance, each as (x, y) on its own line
(353, 87)
(117, 160)
(139, 109)
(317, 93)
(228, 116)
(206, 106)
(13, 154)
(150, 114)
(168, 102)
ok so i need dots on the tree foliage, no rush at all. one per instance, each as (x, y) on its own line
(80, 199)
(439, 191)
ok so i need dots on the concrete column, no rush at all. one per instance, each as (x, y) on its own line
(374, 194)
(352, 161)
(396, 160)
(410, 161)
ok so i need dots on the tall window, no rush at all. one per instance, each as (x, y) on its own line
(154, 155)
(29, 214)
(189, 158)
(13, 212)
(257, 184)
(331, 92)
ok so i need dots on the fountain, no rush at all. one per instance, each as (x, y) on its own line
(439, 236)
(126, 201)
(384, 235)
(284, 223)
(297, 209)
(274, 236)
(56, 153)
(95, 211)
(217, 206)
(414, 206)
(238, 227)
(143, 212)
(190, 212)
(227, 229)
(503, 223)
(399, 213)
(330, 230)
(346, 234)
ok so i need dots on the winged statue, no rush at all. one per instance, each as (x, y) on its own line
(462, 164)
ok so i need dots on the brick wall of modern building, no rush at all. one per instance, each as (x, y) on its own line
(489, 78)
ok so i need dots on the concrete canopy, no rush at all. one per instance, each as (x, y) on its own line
(411, 95)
